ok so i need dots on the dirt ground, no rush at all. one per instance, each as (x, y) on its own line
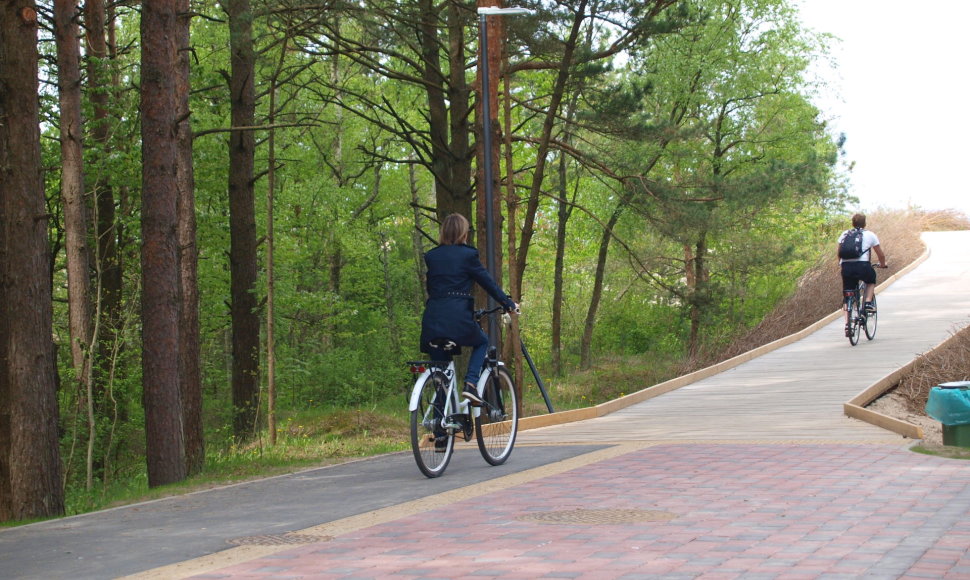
(893, 405)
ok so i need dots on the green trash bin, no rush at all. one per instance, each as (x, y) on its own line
(949, 403)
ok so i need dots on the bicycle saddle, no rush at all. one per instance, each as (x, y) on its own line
(444, 344)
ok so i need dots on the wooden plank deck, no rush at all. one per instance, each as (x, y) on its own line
(797, 392)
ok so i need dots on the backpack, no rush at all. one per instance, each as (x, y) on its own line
(850, 248)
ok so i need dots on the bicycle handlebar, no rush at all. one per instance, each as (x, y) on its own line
(483, 312)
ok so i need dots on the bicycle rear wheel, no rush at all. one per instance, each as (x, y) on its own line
(871, 319)
(854, 307)
(498, 420)
(431, 456)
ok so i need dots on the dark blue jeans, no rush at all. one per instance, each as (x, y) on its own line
(475, 361)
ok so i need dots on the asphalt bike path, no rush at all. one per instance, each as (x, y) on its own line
(752, 473)
(130, 539)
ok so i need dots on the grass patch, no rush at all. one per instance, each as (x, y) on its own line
(313, 438)
(611, 378)
(946, 451)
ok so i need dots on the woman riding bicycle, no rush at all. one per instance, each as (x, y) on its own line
(453, 267)
(860, 268)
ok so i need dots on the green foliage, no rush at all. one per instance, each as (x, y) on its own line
(699, 136)
(638, 328)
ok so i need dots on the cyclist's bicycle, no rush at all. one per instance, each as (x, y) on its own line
(859, 318)
(439, 414)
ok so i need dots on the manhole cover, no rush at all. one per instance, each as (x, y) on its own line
(595, 517)
(277, 540)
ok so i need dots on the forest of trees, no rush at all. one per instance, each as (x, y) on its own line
(214, 213)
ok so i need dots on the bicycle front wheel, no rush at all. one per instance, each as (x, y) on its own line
(498, 420)
(872, 318)
(431, 444)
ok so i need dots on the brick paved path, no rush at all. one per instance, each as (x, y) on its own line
(752, 511)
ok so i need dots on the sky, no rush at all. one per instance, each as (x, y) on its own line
(898, 92)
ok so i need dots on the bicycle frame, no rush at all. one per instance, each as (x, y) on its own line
(450, 406)
(483, 380)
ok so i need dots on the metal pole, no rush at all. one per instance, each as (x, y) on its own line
(490, 262)
(535, 373)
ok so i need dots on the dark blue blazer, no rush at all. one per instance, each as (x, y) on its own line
(452, 271)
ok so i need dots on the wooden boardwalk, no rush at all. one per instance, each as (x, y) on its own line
(796, 392)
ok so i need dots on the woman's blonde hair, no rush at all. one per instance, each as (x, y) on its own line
(454, 230)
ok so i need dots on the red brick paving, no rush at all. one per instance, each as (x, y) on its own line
(745, 511)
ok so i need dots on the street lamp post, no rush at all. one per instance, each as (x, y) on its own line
(490, 261)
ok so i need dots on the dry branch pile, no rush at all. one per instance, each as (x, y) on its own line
(950, 362)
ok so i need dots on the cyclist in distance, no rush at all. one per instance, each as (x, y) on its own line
(453, 267)
(860, 268)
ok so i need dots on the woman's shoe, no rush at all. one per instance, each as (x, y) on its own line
(470, 393)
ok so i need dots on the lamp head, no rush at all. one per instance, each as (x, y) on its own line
(496, 10)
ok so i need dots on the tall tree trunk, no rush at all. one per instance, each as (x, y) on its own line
(697, 292)
(513, 346)
(30, 467)
(160, 249)
(557, 285)
(271, 286)
(459, 114)
(107, 257)
(75, 216)
(72, 181)
(189, 361)
(586, 346)
(392, 327)
(417, 239)
(565, 210)
(271, 259)
(542, 151)
(242, 221)
(447, 109)
(393, 330)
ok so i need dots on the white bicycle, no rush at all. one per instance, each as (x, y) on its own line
(439, 414)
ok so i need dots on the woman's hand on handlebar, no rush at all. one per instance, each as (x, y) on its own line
(507, 313)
